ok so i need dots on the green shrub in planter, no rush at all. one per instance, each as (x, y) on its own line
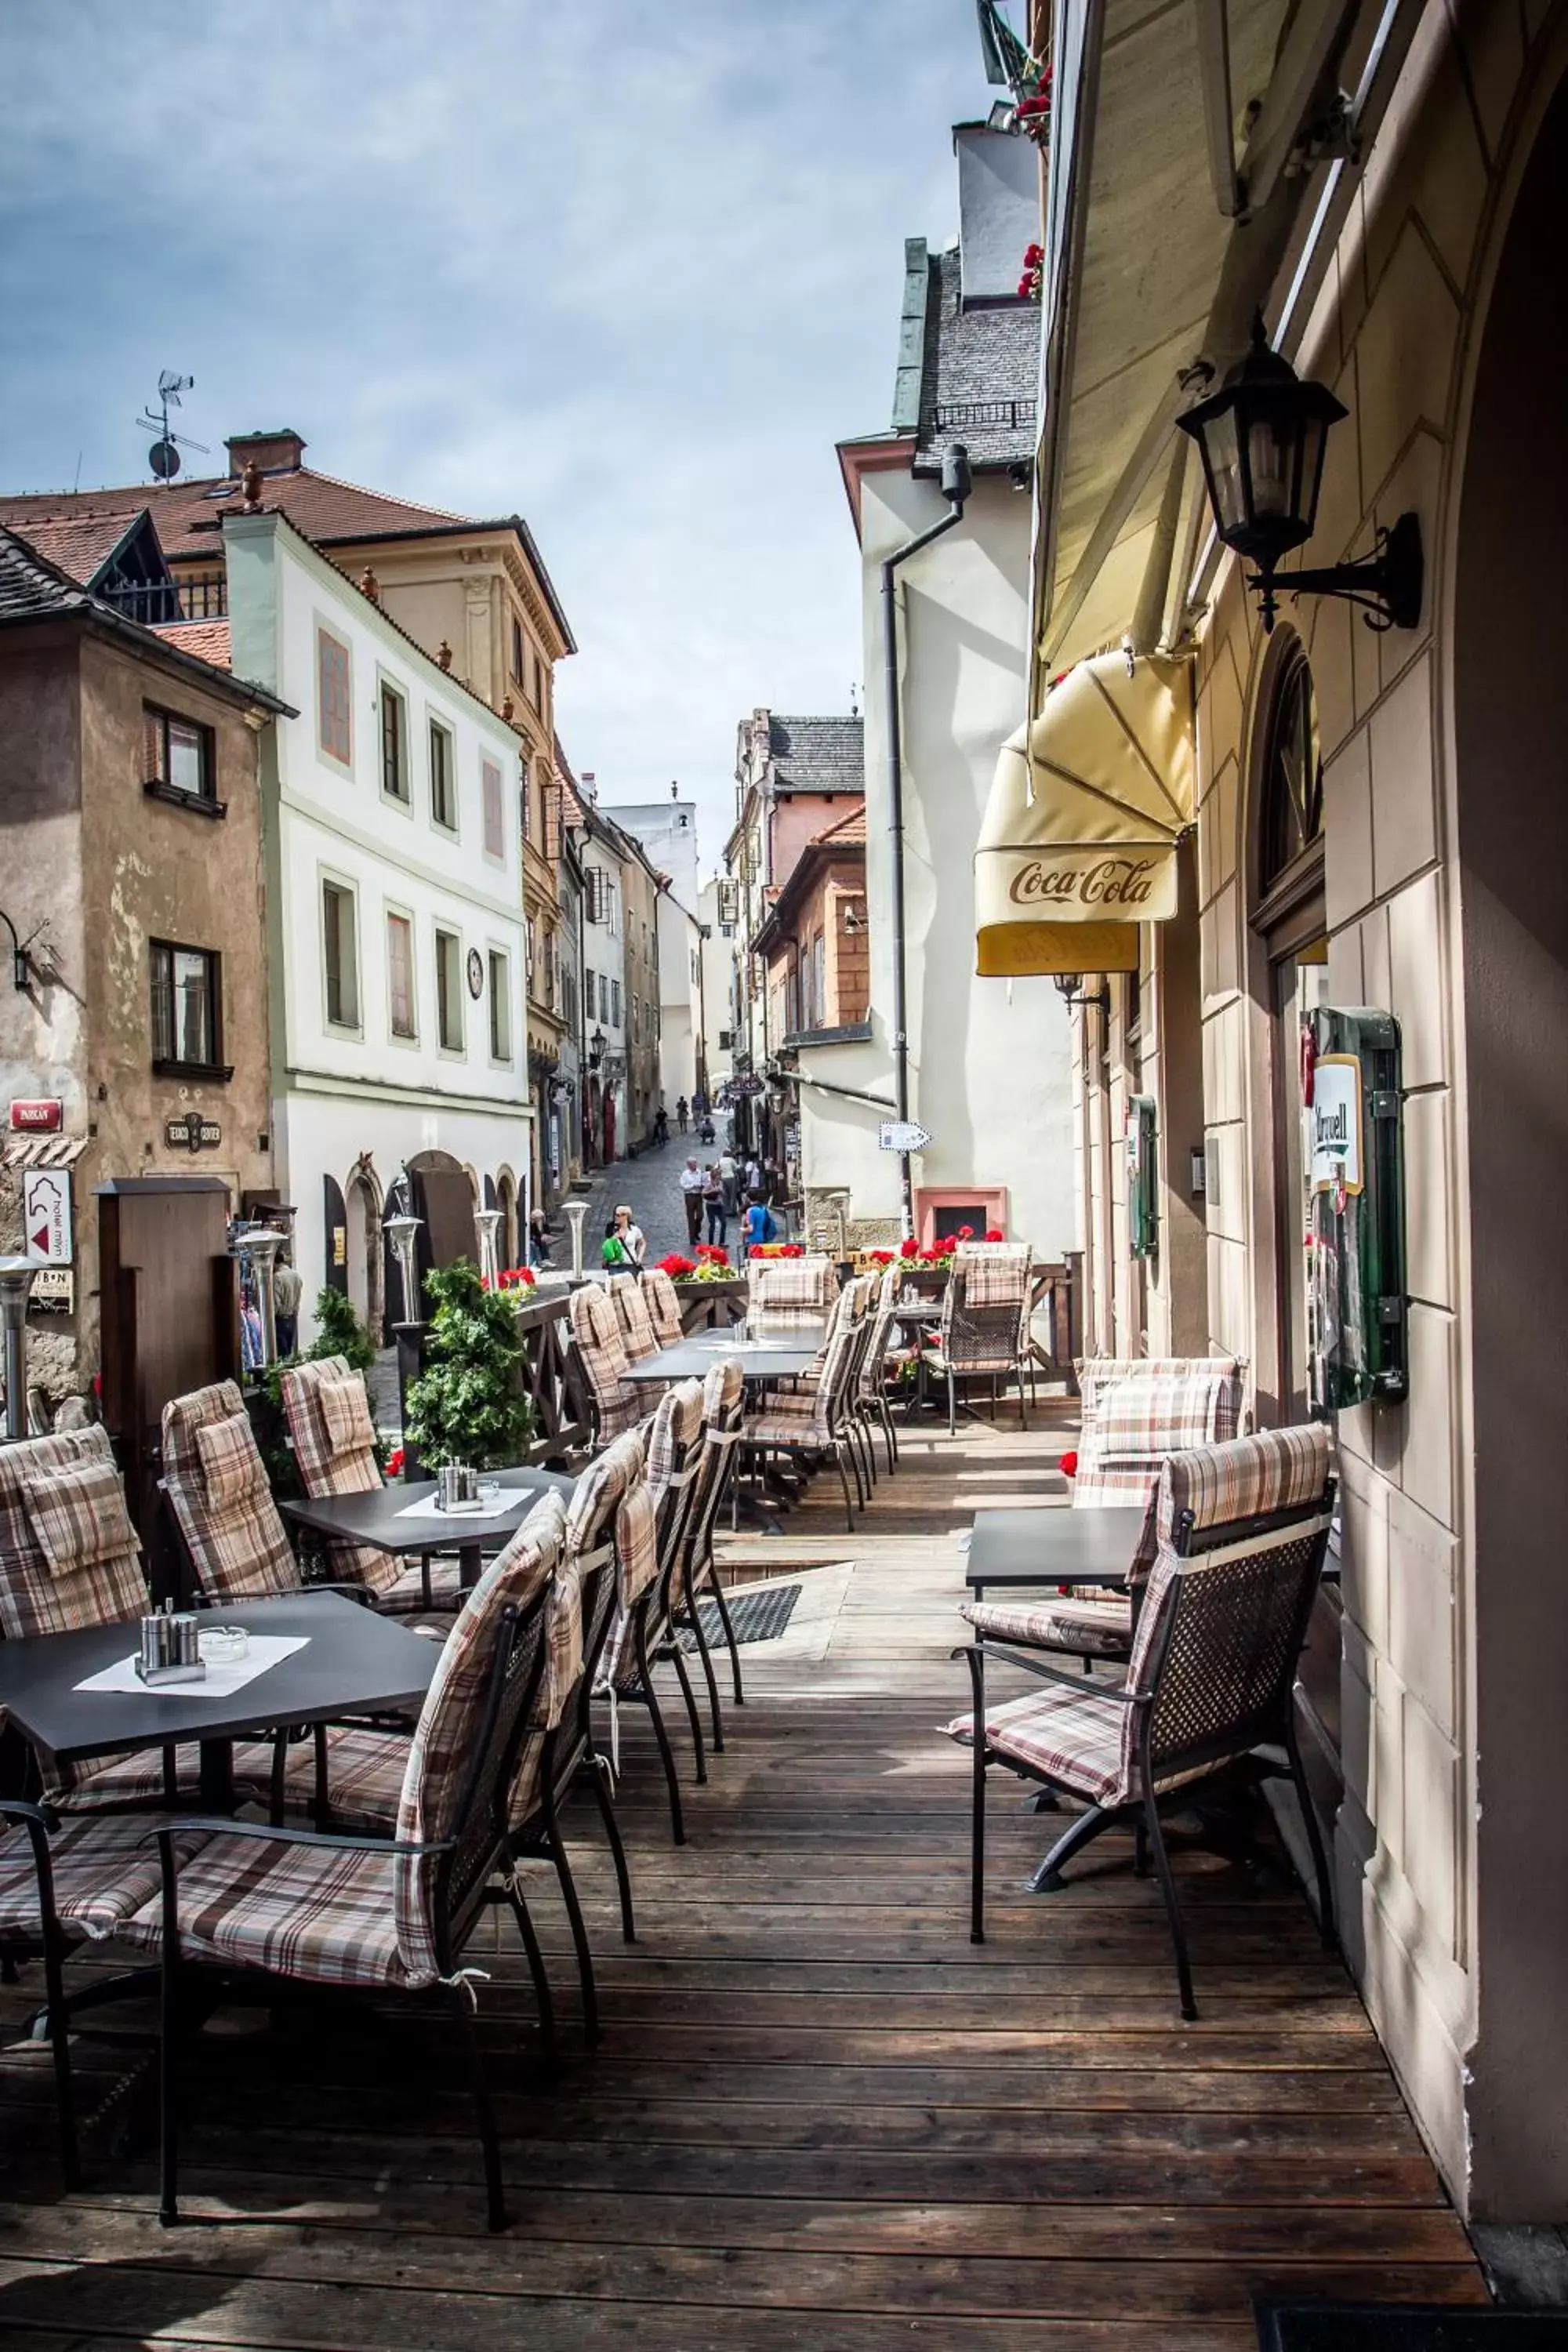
(467, 1405)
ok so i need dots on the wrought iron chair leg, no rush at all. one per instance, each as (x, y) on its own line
(1023, 1417)
(1172, 1908)
(678, 1659)
(169, 2067)
(889, 1436)
(846, 1445)
(599, 1773)
(723, 1606)
(977, 1835)
(59, 2052)
(951, 1406)
(558, 1855)
(495, 2200)
(844, 1482)
(666, 1754)
(1326, 1921)
(536, 1970)
(694, 1615)
(1047, 1879)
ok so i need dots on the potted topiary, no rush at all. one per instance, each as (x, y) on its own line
(467, 1405)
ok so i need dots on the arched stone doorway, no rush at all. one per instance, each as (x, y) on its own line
(508, 1240)
(1510, 629)
(366, 1251)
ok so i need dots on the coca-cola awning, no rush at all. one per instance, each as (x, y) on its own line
(1088, 803)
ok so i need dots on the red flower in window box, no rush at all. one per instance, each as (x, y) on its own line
(675, 1266)
(966, 1233)
(910, 1248)
(1067, 1465)
(995, 1233)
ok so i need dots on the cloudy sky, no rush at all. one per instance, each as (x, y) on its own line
(630, 270)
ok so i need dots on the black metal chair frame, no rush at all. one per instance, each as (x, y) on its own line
(654, 1639)
(698, 1571)
(1271, 1723)
(466, 1862)
(54, 1946)
(810, 1450)
(973, 1332)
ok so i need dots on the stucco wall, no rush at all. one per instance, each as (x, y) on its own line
(990, 1072)
(1396, 333)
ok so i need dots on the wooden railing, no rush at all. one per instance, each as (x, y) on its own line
(549, 1375)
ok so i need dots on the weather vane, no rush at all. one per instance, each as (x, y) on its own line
(163, 456)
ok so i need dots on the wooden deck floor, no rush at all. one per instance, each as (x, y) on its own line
(819, 2117)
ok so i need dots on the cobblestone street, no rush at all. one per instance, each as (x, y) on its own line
(650, 1185)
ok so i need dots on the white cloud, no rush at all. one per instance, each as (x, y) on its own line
(629, 272)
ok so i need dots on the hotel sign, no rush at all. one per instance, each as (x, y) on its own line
(35, 1117)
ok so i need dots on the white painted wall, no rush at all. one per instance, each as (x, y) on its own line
(998, 208)
(679, 999)
(990, 1071)
(603, 953)
(340, 1090)
(718, 986)
(667, 831)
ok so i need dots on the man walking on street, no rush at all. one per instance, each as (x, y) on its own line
(681, 1111)
(730, 1177)
(286, 1292)
(691, 1195)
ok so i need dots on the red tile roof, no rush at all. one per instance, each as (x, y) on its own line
(187, 516)
(80, 545)
(849, 832)
(208, 641)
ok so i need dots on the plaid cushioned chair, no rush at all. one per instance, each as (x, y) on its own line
(1242, 1532)
(649, 1521)
(809, 1424)
(638, 1334)
(1135, 1413)
(978, 1341)
(63, 1884)
(327, 1408)
(216, 1482)
(601, 1350)
(792, 1289)
(871, 1386)
(663, 1303)
(364, 1913)
(70, 1558)
(723, 1399)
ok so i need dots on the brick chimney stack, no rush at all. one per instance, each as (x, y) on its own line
(274, 453)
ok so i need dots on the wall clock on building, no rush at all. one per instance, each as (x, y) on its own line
(476, 973)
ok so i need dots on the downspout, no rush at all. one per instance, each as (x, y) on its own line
(955, 488)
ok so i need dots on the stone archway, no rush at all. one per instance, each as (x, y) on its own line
(363, 1204)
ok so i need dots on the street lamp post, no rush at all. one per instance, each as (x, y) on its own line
(15, 1282)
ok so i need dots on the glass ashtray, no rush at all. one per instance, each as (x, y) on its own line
(223, 1646)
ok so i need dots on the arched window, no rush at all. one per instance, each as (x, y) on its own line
(1290, 812)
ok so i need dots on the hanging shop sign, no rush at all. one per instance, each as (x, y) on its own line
(1087, 804)
(1353, 1161)
(192, 1133)
(53, 1291)
(37, 1116)
(47, 1215)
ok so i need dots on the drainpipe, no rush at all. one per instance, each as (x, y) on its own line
(955, 488)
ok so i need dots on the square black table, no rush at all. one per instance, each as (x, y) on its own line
(1406, 2328)
(375, 1518)
(353, 1663)
(1053, 1546)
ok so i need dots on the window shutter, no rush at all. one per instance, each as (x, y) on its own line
(495, 822)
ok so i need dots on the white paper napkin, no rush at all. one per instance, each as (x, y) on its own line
(265, 1650)
(511, 1498)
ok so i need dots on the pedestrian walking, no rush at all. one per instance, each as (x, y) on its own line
(759, 1226)
(661, 1126)
(286, 1292)
(613, 1251)
(730, 1177)
(682, 1112)
(691, 1196)
(714, 1203)
(630, 1234)
(753, 1174)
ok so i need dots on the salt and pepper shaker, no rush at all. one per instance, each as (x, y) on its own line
(170, 1648)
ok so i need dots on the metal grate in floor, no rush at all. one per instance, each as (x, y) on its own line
(755, 1616)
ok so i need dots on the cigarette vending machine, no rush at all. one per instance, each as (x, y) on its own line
(1353, 1164)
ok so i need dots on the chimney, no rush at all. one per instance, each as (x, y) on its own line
(590, 789)
(274, 453)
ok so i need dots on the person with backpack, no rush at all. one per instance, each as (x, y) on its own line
(760, 1225)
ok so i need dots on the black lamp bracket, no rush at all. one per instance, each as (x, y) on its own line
(1387, 583)
(20, 959)
(1101, 997)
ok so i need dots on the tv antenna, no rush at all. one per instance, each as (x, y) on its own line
(163, 456)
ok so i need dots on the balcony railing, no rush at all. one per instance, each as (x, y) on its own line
(1013, 415)
(196, 596)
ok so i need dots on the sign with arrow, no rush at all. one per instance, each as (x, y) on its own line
(902, 1135)
(47, 1215)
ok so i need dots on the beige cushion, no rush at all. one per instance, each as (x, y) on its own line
(345, 1409)
(78, 1517)
(231, 1464)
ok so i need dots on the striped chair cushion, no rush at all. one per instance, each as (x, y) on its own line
(239, 1547)
(596, 1333)
(636, 1565)
(79, 1517)
(995, 1275)
(450, 1723)
(784, 1285)
(328, 1466)
(35, 1599)
(296, 1910)
(631, 1310)
(1131, 1423)
(675, 1423)
(663, 1303)
(1088, 1629)
(1079, 1740)
(232, 1467)
(104, 1871)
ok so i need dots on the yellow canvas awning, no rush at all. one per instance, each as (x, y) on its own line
(1078, 845)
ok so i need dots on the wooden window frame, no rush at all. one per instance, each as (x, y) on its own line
(503, 1056)
(449, 991)
(392, 717)
(159, 783)
(336, 1024)
(173, 1065)
(446, 766)
(409, 1036)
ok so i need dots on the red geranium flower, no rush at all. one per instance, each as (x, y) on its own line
(1067, 1465)
(995, 1233)
(394, 1464)
(966, 1233)
(910, 1248)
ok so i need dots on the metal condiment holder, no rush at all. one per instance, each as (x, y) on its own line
(170, 1649)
